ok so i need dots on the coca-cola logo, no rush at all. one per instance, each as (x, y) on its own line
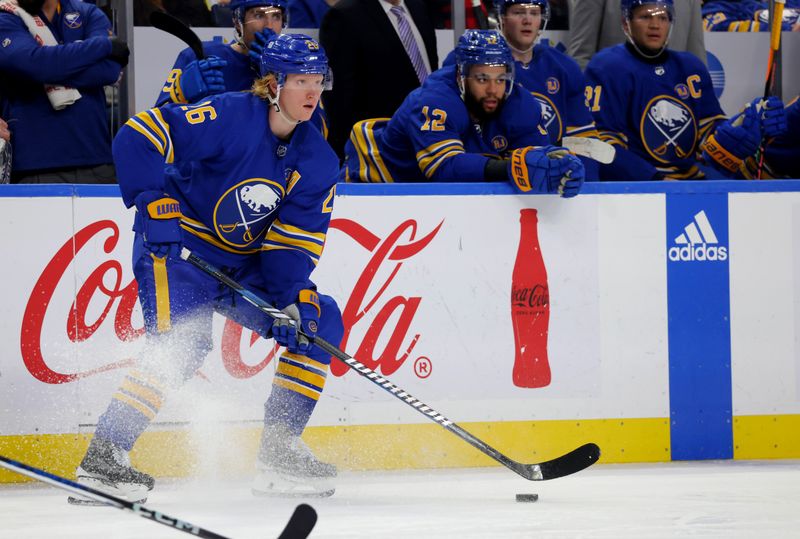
(369, 297)
(536, 297)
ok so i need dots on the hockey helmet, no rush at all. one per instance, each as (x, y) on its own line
(627, 7)
(502, 5)
(483, 47)
(295, 53)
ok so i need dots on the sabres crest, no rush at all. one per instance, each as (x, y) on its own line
(73, 19)
(669, 129)
(244, 212)
(551, 119)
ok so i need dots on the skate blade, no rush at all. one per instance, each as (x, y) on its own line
(292, 494)
(125, 491)
(275, 484)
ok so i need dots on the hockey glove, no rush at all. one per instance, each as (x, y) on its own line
(260, 40)
(304, 315)
(735, 139)
(547, 169)
(119, 51)
(773, 117)
(202, 77)
(159, 216)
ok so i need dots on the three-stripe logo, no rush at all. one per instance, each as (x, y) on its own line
(698, 242)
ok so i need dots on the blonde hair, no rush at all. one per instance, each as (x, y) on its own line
(261, 86)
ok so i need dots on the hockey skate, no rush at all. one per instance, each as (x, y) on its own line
(287, 467)
(108, 468)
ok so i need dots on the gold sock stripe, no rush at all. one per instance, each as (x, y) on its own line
(163, 321)
(297, 388)
(133, 403)
(142, 393)
(298, 373)
(305, 360)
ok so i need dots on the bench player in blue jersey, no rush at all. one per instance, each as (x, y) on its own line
(257, 202)
(229, 67)
(781, 154)
(554, 79)
(748, 16)
(658, 107)
(468, 122)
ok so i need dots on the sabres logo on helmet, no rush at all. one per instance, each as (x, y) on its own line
(669, 129)
(243, 214)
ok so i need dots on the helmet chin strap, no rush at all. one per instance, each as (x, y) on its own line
(635, 46)
(284, 116)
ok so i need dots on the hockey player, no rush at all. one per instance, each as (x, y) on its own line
(554, 79)
(257, 202)
(658, 107)
(781, 154)
(748, 16)
(468, 122)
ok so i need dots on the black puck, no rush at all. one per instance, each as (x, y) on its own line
(527, 497)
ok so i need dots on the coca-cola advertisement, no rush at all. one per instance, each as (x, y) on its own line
(423, 289)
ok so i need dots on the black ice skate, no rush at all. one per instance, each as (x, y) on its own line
(287, 467)
(108, 468)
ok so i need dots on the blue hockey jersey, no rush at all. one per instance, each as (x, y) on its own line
(782, 154)
(656, 113)
(42, 137)
(432, 137)
(242, 191)
(239, 74)
(746, 16)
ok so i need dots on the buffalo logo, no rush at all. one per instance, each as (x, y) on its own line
(243, 213)
(682, 90)
(499, 143)
(669, 130)
(551, 119)
(553, 85)
(73, 19)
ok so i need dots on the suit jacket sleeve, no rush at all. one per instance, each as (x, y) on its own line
(342, 56)
(585, 21)
(695, 42)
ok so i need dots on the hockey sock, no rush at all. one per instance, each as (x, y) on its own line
(296, 388)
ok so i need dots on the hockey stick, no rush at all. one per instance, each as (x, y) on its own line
(590, 147)
(5, 161)
(299, 526)
(569, 463)
(774, 44)
(480, 16)
(171, 25)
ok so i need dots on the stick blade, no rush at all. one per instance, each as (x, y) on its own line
(300, 523)
(167, 23)
(596, 149)
(568, 464)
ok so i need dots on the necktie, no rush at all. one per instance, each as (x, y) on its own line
(409, 43)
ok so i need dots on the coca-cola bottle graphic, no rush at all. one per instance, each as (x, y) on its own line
(530, 307)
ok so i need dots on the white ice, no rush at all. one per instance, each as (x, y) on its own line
(703, 499)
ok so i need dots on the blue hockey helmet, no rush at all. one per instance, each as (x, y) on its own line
(483, 47)
(627, 6)
(239, 8)
(285, 54)
(502, 5)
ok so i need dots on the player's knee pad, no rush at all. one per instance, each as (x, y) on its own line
(175, 357)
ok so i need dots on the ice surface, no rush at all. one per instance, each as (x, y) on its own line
(700, 499)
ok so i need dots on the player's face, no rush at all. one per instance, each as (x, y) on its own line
(300, 95)
(649, 26)
(521, 25)
(487, 85)
(258, 18)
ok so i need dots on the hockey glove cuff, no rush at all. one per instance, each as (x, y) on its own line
(304, 314)
(734, 139)
(201, 78)
(159, 216)
(548, 169)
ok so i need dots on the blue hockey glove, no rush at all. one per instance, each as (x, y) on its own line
(548, 169)
(201, 78)
(735, 139)
(159, 216)
(260, 40)
(773, 117)
(305, 314)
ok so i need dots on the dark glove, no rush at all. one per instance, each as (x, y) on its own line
(546, 169)
(202, 77)
(773, 117)
(260, 40)
(303, 314)
(160, 218)
(119, 51)
(735, 139)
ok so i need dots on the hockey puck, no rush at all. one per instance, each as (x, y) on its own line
(527, 497)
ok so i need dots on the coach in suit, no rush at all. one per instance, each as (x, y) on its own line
(379, 51)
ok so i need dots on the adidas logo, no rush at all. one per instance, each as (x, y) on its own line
(698, 242)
